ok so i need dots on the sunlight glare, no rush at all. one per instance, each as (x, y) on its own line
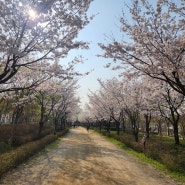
(32, 13)
(20, 4)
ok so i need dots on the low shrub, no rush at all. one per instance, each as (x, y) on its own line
(13, 158)
(19, 134)
(4, 147)
(63, 132)
(174, 162)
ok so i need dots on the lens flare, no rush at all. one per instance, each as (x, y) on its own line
(32, 13)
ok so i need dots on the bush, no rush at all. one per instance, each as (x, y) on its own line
(11, 159)
(174, 162)
(19, 134)
(4, 147)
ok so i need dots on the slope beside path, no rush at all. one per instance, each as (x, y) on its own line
(83, 158)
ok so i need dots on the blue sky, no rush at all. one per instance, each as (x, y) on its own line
(106, 22)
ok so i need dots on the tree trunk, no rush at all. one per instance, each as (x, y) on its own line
(147, 122)
(176, 133)
(100, 125)
(123, 125)
(61, 124)
(136, 133)
(118, 127)
(168, 129)
(17, 114)
(108, 126)
(159, 129)
(41, 124)
(55, 122)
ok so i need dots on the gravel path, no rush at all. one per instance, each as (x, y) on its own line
(83, 158)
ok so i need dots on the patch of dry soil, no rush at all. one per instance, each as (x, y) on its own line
(83, 158)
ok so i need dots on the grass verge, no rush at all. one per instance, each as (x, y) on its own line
(180, 177)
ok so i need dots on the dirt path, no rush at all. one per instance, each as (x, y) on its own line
(83, 158)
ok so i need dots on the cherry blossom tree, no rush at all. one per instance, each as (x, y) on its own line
(137, 97)
(101, 106)
(6, 108)
(169, 108)
(19, 91)
(33, 31)
(182, 126)
(154, 42)
(149, 102)
(132, 104)
(67, 107)
(116, 99)
(113, 89)
(46, 97)
(56, 98)
(20, 87)
(93, 109)
(28, 78)
(18, 107)
(163, 102)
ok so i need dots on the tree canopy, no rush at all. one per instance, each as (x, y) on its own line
(36, 30)
(154, 42)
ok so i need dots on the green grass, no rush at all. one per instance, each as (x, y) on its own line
(53, 144)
